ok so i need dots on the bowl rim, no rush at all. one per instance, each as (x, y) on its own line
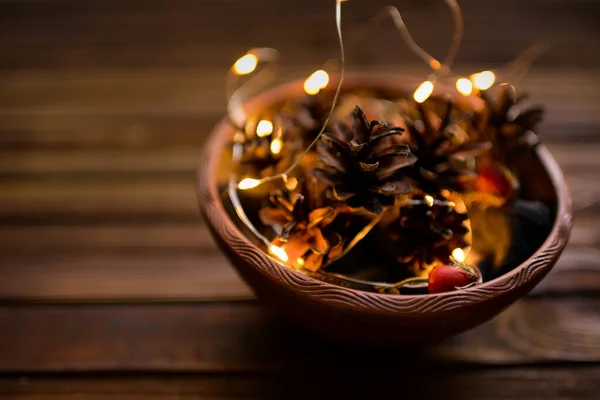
(338, 296)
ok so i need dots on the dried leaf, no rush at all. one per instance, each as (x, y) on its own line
(273, 216)
(336, 246)
(313, 262)
(317, 241)
(321, 216)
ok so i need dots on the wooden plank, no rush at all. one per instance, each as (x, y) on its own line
(179, 262)
(493, 384)
(63, 163)
(157, 92)
(72, 34)
(92, 161)
(150, 276)
(98, 199)
(243, 337)
(114, 239)
(135, 108)
(77, 131)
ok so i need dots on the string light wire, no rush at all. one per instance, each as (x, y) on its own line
(237, 115)
(269, 56)
(440, 68)
(238, 94)
(233, 110)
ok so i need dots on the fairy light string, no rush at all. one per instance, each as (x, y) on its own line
(482, 80)
(323, 79)
(313, 84)
(246, 68)
(237, 115)
(440, 69)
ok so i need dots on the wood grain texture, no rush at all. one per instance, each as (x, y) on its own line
(173, 107)
(497, 384)
(244, 337)
(104, 106)
(164, 273)
(72, 34)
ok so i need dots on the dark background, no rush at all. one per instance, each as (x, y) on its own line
(107, 273)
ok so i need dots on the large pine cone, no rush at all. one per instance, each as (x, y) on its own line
(361, 163)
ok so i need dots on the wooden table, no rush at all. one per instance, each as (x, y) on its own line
(110, 284)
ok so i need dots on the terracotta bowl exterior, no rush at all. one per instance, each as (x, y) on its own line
(371, 318)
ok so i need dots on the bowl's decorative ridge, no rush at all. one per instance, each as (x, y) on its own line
(324, 292)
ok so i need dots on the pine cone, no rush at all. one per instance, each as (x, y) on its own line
(445, 155)
(304, 118)
(504, 124)
(361, 163)
(301, 231)
(257, 156)
(428, 232)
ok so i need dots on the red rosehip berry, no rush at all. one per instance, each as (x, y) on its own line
(497, 180)
(446, 278)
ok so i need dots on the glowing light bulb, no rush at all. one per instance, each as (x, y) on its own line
(434, 64)
(245, 65)
(278, 252)
(315, 82)
(248, 183)
(458, 254)
(276, 146)
(483, 80)
(464, 86)
(423, 91)
(264, 128)
(429, 200)
(300, 261)
(291, 183)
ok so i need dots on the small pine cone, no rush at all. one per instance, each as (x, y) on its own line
(301, 232)
(361, 164)
(258, 155)
(428, 231)
(505, 122)
(445, 154)
(304, 118)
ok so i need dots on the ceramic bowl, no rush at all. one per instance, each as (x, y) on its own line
(371, 318)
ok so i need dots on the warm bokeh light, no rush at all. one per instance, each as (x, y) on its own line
(464, 86)
(434, 64)
(276, 146)
(458, 254)
(264, 128)
(291, 183)
(423, 91)
(483, 80)
(317, 81)
(246, 64)
(248, 183)
(278, 252)
(300, 261)
(429, 200)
